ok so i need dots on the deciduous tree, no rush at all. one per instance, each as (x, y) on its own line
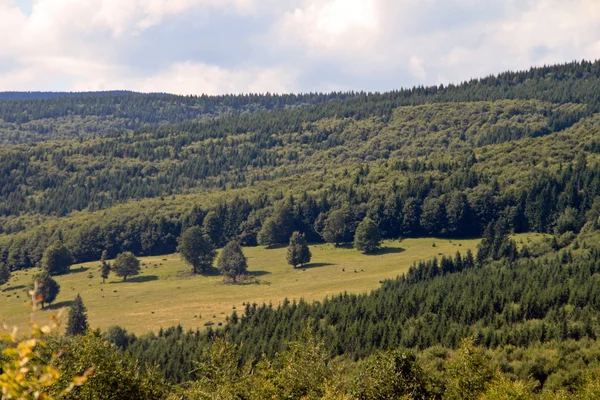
(126, 264)
(197, 249)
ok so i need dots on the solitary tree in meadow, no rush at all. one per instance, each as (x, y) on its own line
(196, 249)
(232, 262)
(46, 288)
(298, 252)
(126, 264)
(367, 237)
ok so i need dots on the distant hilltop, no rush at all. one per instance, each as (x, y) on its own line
(52, 95)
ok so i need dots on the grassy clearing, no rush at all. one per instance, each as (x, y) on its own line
(165, 295)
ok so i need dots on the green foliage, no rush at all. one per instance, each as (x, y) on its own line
(469, 372)
(232, 261)
(77, 323)
(197, 249)
(278, 228)
(116, 375)
(367, 237)
(335, 229)
(57, 259)
(126, 264)
(389, 375)
(298, 252)
(45, 288)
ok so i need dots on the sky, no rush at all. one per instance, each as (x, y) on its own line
(279, 46)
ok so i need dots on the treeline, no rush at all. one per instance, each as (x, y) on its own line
(461, 205)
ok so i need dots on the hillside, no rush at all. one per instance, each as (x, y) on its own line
(506, 165)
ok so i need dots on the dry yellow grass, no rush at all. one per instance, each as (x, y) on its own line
(165, 295)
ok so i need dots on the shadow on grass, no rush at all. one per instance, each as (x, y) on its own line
(315, 265)
(347, 246)
(59, 305)
(386, 250)
(258, 273)
(77, 270)
(8, 289)
(138, 279)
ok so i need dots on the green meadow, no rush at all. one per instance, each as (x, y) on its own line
(165, 294)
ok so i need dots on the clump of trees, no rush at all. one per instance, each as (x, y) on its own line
(367, 237)
(57, 259)
(298, 252)
(197, 249)
(77, 323)
(232, 262)
(126, 265)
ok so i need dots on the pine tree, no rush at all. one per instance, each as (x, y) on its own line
(126, 264)
(77, 323)
(197, 249)
(232, 262)
(104, 266)
(298, 252)
(367, 237)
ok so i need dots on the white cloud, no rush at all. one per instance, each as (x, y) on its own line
(285, 45)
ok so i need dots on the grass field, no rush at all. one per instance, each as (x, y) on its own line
(166, 295)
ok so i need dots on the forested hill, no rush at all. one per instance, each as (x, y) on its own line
(34, 117)
(425, 161)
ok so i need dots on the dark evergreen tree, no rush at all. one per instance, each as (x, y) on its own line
(77, 323)
(125, 265)
(197, 249)
(298, 252)
(367, 237)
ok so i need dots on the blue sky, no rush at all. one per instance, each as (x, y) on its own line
(225, 46)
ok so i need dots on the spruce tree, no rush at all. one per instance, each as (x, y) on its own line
(197, 249)
(367, 237)
(298, 252)
(77, 323)
(104, 266)
(232, 262)
(126, 264)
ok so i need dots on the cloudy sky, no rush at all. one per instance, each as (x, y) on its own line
(225, 46)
